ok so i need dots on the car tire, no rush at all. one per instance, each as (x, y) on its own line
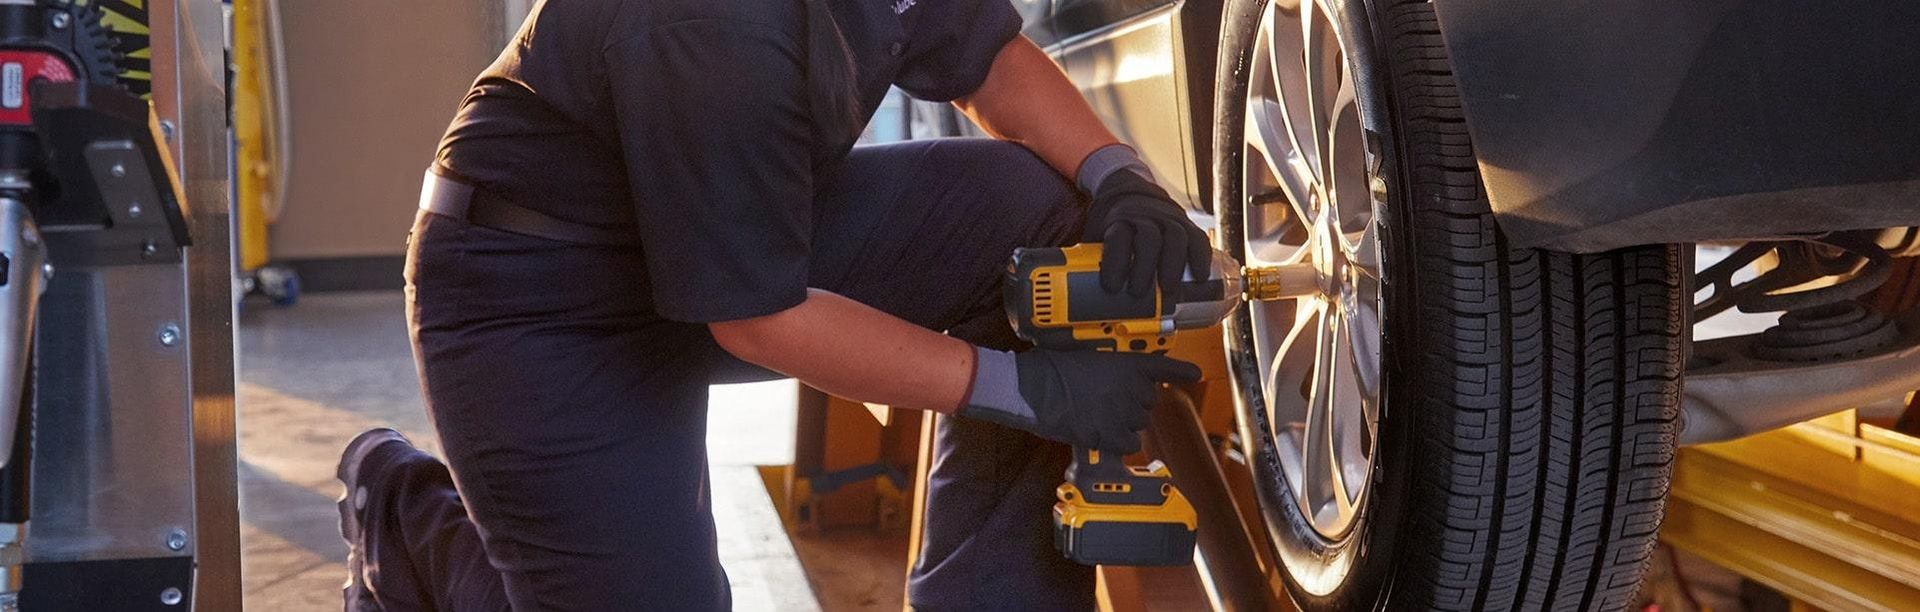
(1519, 442)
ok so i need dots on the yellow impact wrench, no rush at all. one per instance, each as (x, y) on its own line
(1110, 513)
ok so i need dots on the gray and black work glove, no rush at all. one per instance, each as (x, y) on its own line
(1145, 234)
(1089, 399)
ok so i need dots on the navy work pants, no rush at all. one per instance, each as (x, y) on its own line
(574, 420)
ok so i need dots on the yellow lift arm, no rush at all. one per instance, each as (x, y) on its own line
(1826, 512)
(258, 124)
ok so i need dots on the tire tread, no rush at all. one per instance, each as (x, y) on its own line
(1546, 423)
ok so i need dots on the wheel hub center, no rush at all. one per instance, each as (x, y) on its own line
(1330, 267)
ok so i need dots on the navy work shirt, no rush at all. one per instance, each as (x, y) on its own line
(689, 120)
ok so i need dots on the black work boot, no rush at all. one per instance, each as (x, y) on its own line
(353, 505)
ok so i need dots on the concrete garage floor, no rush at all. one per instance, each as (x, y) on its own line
(314, 375)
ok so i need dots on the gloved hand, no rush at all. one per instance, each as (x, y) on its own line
(1145, 235)
(1088, 399)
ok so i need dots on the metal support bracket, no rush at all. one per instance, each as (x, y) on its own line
(1730, 394)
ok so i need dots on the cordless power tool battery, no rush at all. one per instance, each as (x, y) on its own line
(1113, 514)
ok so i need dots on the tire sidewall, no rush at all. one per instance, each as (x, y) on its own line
(1369, 545)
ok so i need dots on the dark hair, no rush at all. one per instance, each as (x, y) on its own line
(833, 99)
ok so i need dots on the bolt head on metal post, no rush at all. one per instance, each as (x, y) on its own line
(133, 211)
(61, 20)
(177, 540)
(171, 596)
(169, 334)
(118, 170)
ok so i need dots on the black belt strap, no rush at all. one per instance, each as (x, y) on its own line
(444, 196)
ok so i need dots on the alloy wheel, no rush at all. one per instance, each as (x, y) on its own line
(1310, 200)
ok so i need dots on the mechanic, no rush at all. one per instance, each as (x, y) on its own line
(643, 197)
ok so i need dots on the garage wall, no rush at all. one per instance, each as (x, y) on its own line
(372, 85)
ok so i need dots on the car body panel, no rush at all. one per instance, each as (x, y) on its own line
(1077, 18)
(1607, 123)
(1037, 15)
(1598, 124)
(1130, 74)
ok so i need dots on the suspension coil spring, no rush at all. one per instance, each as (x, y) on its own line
(1816, 286)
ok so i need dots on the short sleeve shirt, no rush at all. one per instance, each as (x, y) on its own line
(688, 121)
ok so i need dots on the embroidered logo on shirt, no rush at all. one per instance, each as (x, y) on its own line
(901, 6)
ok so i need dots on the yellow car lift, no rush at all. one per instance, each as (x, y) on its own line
(1827, 512)
(259, 129)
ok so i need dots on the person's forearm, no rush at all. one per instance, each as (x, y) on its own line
(854, 351)
(1027, 99)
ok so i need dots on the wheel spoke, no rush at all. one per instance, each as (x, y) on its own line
(1362, 321)
(1278, 129)
(1267, 134)
(1319, 467)
(1285, 48)
(1354, 414)
(1322, 74)
(1291, 382)
(1347, 174)
(1292, 364)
